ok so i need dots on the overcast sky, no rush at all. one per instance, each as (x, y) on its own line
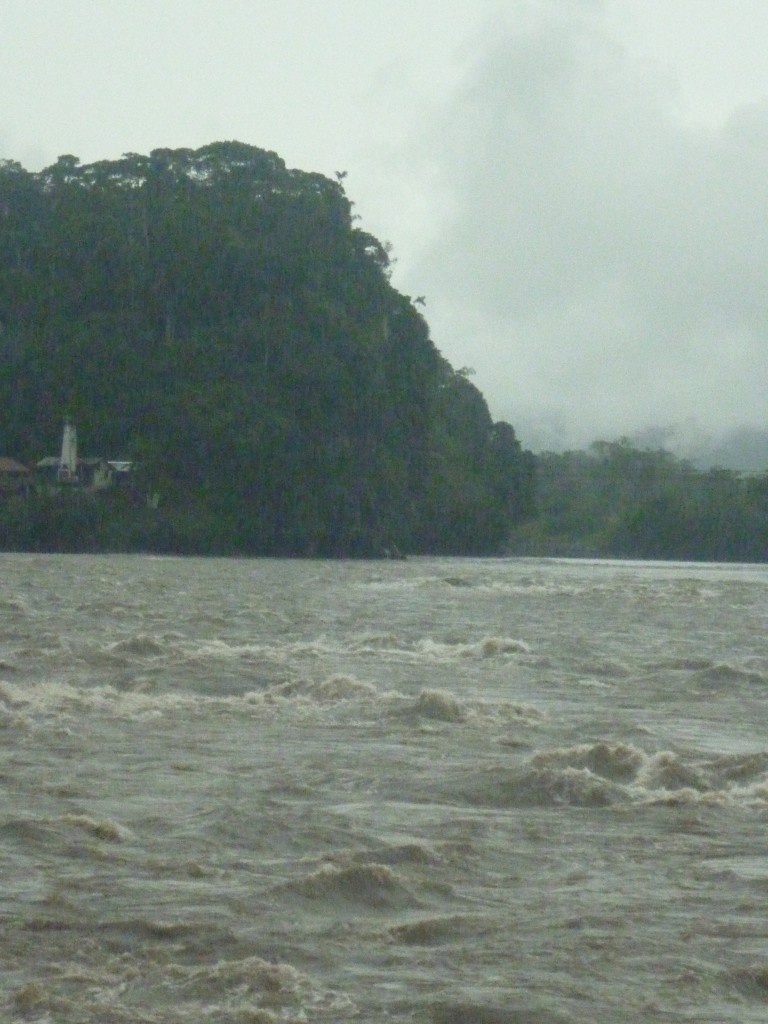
(579, 188)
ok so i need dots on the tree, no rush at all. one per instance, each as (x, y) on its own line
(220, 319)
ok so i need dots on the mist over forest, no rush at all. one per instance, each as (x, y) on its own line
(744, 449)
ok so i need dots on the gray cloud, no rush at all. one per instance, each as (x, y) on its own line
(603, 265)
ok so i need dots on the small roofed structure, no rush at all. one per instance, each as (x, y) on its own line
(122, 472)
(89, 474)
(71, 470)
(15, 478)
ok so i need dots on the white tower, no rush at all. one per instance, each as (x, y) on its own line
(68, 460)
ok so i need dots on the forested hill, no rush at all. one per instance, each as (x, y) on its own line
(220, 320)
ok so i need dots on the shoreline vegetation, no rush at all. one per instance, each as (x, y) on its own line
(611, 501)
(221, 323)
(618, 501)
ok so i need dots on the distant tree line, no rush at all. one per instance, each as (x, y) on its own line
(221, 321)
(616, 500)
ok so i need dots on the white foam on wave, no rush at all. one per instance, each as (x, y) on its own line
(603, 774)
(665, 771)
(487, 647)
(371, 885)
(438, 705)
(248, 990)
(547, 786)
(132, 652)
(396, 583)
(60, 702)
(56, 703)
(100, 828)
(444, 707)
(139, 646)
(381, 646)
(329, 690)
(615, 761)
(735, 782)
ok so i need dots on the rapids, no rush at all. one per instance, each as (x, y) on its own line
(443, 791)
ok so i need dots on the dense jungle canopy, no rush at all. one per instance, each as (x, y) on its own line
(620, 501)
(222, 321)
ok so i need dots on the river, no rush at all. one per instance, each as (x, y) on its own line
(450, 791)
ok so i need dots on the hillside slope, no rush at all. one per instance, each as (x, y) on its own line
(220, 320)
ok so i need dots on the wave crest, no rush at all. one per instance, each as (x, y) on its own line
(375, 886)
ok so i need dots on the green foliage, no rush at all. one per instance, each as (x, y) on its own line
(617, 500)
(218, 318)
(479, 479)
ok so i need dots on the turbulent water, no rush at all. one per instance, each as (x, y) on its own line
(440, 791)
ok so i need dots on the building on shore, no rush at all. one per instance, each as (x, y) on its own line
(70, 470)
(15, 478)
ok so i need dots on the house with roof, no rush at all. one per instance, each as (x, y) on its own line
(69, 470)
(15, 478)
